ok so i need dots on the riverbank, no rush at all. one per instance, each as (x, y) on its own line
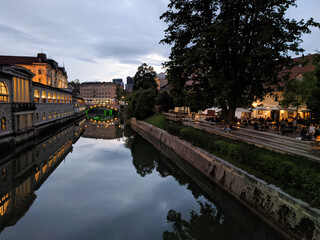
(294, 174)
(291, 216)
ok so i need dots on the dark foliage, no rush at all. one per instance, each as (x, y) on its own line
(222, 48)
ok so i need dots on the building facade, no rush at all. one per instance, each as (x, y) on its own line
(129, 84)
(117, 80)
(270, 106)
(28, 108)
(162, 81)
(16, 99)
(46, 71)
(99, 92)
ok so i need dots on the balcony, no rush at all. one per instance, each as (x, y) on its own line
(19, 107)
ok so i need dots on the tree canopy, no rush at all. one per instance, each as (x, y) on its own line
(145, 78)
(230, 52)
(120, 92)
(313, 100)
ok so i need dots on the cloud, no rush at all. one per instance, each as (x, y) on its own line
(98, 39)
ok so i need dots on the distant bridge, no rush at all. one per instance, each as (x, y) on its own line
(103, 105)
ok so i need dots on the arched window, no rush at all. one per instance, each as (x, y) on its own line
(43, 96)
(3, 123)
(37, 117)
(36, 95)
(4, 94)
(62, 98)
(49, 97)
(58, 98)
(44, 116)
(54, 97)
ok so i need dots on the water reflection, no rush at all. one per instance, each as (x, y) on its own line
(24, 172)
(101, 192)
(220, 217)
(103, 129)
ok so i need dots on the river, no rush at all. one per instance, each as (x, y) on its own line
(103, 181)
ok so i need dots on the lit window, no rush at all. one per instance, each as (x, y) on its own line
(36, 95)
(43, 96)
(49, 97)
(3, 123)
(4, 95)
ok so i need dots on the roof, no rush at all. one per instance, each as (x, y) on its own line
(303, 65)
(25, 60)
(17, 60)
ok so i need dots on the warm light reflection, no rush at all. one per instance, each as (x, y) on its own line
(37, 175)
(44, 169)
(4, 204)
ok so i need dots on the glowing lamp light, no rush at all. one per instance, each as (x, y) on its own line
(254, 104)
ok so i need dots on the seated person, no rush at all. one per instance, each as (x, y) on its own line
(227, 128)
(304, 135)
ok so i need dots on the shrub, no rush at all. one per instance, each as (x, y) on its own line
(282, 170)
(174, 128)
(187, 134)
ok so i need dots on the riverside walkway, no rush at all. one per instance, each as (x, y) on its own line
(275, 142)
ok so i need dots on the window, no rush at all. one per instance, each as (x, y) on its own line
(37, 117)
(44, 116)
(3, 123)
(54, 97)
(49, 97)
(36, 95)
(43, 96)
(39, 72)
(58, 98)
(4, 95)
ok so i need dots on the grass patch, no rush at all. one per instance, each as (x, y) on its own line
(295, 175)
(158, 120)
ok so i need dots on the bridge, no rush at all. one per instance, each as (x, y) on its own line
(114, 106)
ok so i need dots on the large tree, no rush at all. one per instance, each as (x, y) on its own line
(297, 92)
(145, 78)
(230, 50)
(313, 101)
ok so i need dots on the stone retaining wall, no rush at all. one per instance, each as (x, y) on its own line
(294, 218)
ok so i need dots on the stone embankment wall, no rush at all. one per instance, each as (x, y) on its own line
(294, 218)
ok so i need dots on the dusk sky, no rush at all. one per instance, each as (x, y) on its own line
(99, 40)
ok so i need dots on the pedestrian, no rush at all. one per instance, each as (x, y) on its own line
(312, 130)
(294, 124)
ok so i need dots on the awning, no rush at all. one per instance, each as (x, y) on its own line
(243, 110)
(260, 108)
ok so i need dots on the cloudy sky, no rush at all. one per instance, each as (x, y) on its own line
(99, 40)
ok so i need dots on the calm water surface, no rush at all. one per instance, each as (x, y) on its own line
(114, 189)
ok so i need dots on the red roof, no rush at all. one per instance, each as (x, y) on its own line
(303, 65)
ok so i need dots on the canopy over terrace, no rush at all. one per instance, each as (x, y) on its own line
(279, 112)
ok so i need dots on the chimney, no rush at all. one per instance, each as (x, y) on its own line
(42, 57)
